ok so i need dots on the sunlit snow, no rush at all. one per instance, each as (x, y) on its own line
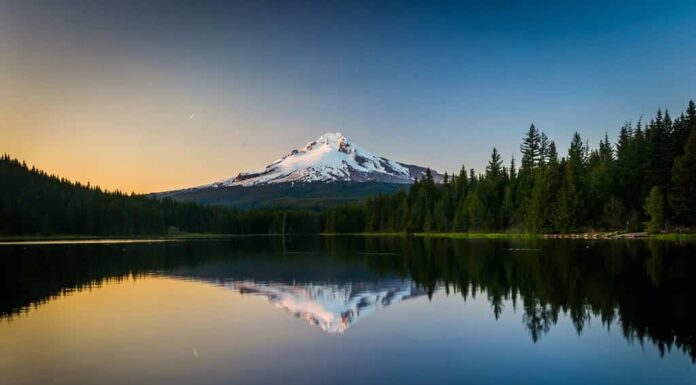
(332, 157)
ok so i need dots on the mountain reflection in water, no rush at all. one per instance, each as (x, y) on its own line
(331, 307)
(644, 287)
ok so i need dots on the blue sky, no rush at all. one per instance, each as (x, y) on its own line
(430, 83)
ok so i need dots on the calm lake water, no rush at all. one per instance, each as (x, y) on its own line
(348, 310)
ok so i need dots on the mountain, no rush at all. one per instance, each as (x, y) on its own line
(327, 171)
(330, 158)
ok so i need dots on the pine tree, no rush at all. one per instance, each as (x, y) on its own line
(571, 195)
(443, 207)
(655, 208)
(683, 196)
(543, 150)
(659, 161)
(513, 170)
(552, 154)
(569, 212)
(460, 187)
(599, 179)
(461, 218)
(613, 214)
(495, 165)
(537, 204)
(507, 209)
(429, 191)
(577, 153)
(531, 153)
(479, 218)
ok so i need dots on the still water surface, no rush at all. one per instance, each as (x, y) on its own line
(348, 310)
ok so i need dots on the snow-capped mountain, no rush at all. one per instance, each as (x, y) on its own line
(328, 171)
(332, 307)
(330, 158)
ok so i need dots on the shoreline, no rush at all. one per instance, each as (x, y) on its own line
(584, 236)
(75, 238)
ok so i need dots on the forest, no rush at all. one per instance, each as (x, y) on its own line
(35, 203)
(644, 181)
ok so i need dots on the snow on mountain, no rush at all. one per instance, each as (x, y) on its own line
(332, 307)
(330, 158)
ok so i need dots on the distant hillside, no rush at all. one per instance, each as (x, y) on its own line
(35, 203)
(313, 196)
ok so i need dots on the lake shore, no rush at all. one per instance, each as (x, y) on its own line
(595, 235)
(14, 239)
(175, 237)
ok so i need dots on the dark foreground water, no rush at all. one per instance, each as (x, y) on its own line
(348, 311)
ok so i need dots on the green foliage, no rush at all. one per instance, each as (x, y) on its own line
(655, 208)
(587, 189)
(531, 149)
(683, 196)
(613, 214)
(32, 202)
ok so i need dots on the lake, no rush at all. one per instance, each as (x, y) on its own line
(348, 310)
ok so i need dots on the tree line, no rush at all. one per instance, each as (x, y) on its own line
(647, 179)
(33, 202)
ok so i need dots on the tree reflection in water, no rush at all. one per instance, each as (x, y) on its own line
(646, 287)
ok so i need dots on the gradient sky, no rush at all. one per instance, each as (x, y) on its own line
(150, 96)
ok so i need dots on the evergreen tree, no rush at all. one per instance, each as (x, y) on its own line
(478, 217)
(543, 150)
(460, 186)
(443, 207)
(531, 149)
(659, 161)
(613, 214)
(683, 196)
(600, 179)
(552, 154)
(655, 208)
(507, 209)
(537, 204)
(495, 165)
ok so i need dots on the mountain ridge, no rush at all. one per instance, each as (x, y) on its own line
(330, 158)
(326, 172)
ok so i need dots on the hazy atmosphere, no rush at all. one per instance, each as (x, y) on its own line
(152, 96)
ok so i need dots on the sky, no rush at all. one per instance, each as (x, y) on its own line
(149, 96)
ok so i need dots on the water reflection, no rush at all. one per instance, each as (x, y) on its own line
(332, 307)
(644, 287)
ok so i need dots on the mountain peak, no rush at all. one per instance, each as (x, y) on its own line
(332, 137)
(330, 158)
(335, 140)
